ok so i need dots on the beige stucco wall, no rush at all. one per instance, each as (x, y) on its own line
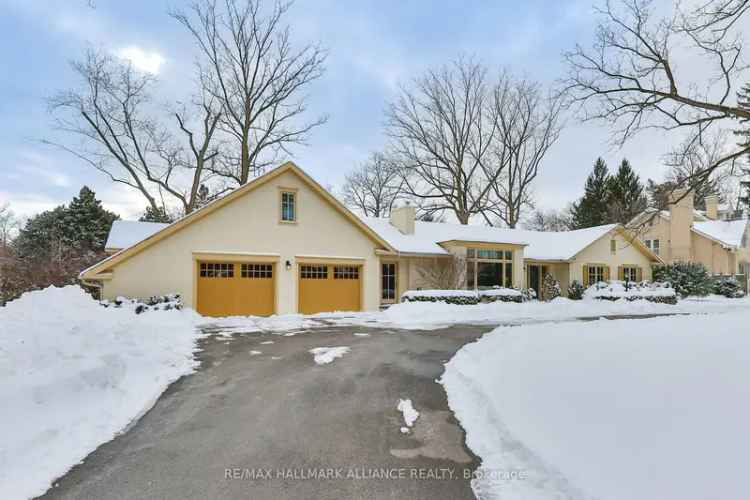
(599, 253)
(716, 258)
(251, 224)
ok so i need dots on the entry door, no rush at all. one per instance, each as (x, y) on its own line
(388, 282)
(534, 279)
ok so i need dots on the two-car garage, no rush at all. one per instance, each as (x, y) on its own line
(249, 288)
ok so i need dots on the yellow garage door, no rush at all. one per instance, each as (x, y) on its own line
(235, 289)
(326, 287)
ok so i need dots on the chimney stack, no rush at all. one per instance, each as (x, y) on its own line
(402, 218)
(712, 207)
(680, 223)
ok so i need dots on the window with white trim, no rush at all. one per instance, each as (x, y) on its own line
(288, 206)
(487, 268)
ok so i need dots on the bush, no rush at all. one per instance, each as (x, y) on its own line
(660, 293)
(156, 303)
(728, 287)
(686, 278)
(528, 294)
(576, 290)
(501, 295)
(551, 287)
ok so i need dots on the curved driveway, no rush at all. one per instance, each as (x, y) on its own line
(263, 426)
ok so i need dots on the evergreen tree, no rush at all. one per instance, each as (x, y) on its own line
(592, 209)
(626, 195)
(87, 223)
(155, 215)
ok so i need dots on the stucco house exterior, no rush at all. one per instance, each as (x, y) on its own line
(282, 244)
(683, 234)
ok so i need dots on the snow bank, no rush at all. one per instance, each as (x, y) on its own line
(648, 409)
(325, 355)
(73, 374)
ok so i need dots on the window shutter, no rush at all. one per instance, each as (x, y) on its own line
(585, 276)
(606, 273)
(621, 273)
(639, 274)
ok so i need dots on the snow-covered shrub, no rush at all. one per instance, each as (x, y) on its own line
(661, 293)
(528, 294)
(155, 303)
(460, 297)
(551, 287)
(728, 287)
(501, 294)
(686, 278)
(576, 290)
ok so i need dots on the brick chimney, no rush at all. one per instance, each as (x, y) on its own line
(712, 207)
(680, 222)
(402, 218)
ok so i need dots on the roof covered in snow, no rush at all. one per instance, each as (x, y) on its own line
(125, 233)
(562, 245)
(728, 232)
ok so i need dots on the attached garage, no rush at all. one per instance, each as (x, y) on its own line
(330, 287)
(236, 288)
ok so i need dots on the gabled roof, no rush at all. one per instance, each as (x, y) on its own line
(125, 233)
(727, 232)
(164, 232)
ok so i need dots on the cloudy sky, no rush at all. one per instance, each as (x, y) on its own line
(373, 46)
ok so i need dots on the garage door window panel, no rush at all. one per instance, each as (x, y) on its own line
(217, 270)
(314, 272)
(256, 271)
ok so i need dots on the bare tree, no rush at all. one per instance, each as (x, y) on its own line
(631, 77)
(109, 117)
(528, 124)
(548, 220)
(374, 187)
(249, 65)
(443, 273)
(442, 129)
(8, 226)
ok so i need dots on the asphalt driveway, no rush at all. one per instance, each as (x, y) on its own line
(275, 425)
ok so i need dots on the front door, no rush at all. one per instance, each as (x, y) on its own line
(534, 279)
(388, 287)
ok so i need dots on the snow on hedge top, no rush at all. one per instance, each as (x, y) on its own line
(126, 233)
(617, 289)
(439, 293)
(561, 245)
(728, 232)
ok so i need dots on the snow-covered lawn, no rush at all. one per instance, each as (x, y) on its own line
(73, 374)
(647, 408)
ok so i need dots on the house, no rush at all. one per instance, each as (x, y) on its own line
(683, 234)
(283, 244)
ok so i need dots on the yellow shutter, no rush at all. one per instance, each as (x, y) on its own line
(639, 274)
(606, 273)
(585, 276)
(621, 273)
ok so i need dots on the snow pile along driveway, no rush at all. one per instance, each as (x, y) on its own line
(648, 409)
(325, 355)
(73, 374)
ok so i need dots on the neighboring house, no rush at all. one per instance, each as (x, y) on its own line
(283, 244)
(683, 234)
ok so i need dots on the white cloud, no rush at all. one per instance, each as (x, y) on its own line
(149, 62)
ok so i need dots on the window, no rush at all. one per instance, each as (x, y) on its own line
(256, 271)
(630, 273)
(487, 268)
(314, 272)
(388, 284)
(653, 245)
(288, 206)
(613, 246)
(345, 273)
(596, 274)
(217, 270)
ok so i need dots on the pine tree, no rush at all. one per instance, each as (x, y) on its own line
(626, 195)
(158, 215)
(87, 223)
(592, 209)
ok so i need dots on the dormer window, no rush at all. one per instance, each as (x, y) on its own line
(288, 206)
